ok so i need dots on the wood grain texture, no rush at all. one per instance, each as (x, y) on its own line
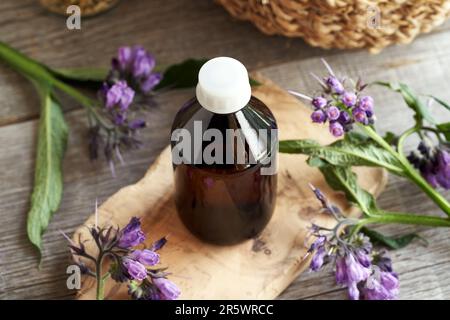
(263, 266)
(174, 34)
(172, 30)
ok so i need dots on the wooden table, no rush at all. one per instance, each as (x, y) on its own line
(174, 30)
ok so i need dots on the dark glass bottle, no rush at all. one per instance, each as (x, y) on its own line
(228, 201)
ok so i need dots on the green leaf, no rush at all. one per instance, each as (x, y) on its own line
(345, 180)
(355, 150)
(393, 243)
(441, 102)
(25, 65)
(391, 138)
(412, 100)
(96, 75)
(185, 75)
(48, 181)
(254, 83)
(182, 75)
(444, 128)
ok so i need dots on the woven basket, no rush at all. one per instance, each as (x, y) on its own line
(344, 24)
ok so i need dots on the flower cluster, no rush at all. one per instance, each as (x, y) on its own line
(136, 66)
(338, 106)
(128, 263)
(433, 163)
(124, 93)
(365, 272)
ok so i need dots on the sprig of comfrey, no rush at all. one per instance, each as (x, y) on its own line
(349, 112)
(365, 272)
(127, 263)
(115, 114)
(363, 146)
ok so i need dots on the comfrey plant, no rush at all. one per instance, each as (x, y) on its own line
(126, 90)
(350, 114)
(136, 266)
(338, 106)
(367, 273)
(115, 116)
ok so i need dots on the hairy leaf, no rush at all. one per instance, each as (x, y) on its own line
(444, 128)
(353, 151)
(393, 243)
(412, 100)
(441, 102)
(391, 138)
(185, 75)
(48, 182)
(345, 180)
(181, 75)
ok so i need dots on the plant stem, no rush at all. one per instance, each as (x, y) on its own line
(100, 292)
(410, 171)
(39, 72)
(402, 218)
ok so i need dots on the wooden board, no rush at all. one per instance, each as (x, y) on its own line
(262, 267)
(180, 34)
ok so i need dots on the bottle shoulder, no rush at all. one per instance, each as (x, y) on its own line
(255, 115)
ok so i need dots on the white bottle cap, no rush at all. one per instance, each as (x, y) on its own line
(223, 85)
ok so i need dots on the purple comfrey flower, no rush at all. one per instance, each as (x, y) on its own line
(146, 257)
(383, 261)
(341, 271)
(360, 115)
(135, 65)
(443, 168)
(143, 63)
(336, 129)
(318, 116)
(344, 118)
(124, 58)
(433, 163)
(119, 95)
(318, 259)
(348, 99)
(168, 289)
(366, 273)
(333, 113)
(381, 286)
(356, 272)
(319, 102)
(363, 258)
(137, 124)
(132, 234)
(340, 99)
(319, 242)
(151, 82)
(159, 244)
(353, 291)
(135, 270)
(334, 85)
(366, 103)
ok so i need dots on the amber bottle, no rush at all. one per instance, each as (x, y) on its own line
(224, 150)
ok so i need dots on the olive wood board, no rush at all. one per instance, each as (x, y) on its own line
(259, 268)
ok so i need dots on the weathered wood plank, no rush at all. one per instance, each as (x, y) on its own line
(173, 30)
(425, 64)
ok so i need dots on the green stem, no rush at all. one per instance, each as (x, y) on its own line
(100, 292)
(402, 218)
(25, 65)
(410, 171)
(41, 73)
